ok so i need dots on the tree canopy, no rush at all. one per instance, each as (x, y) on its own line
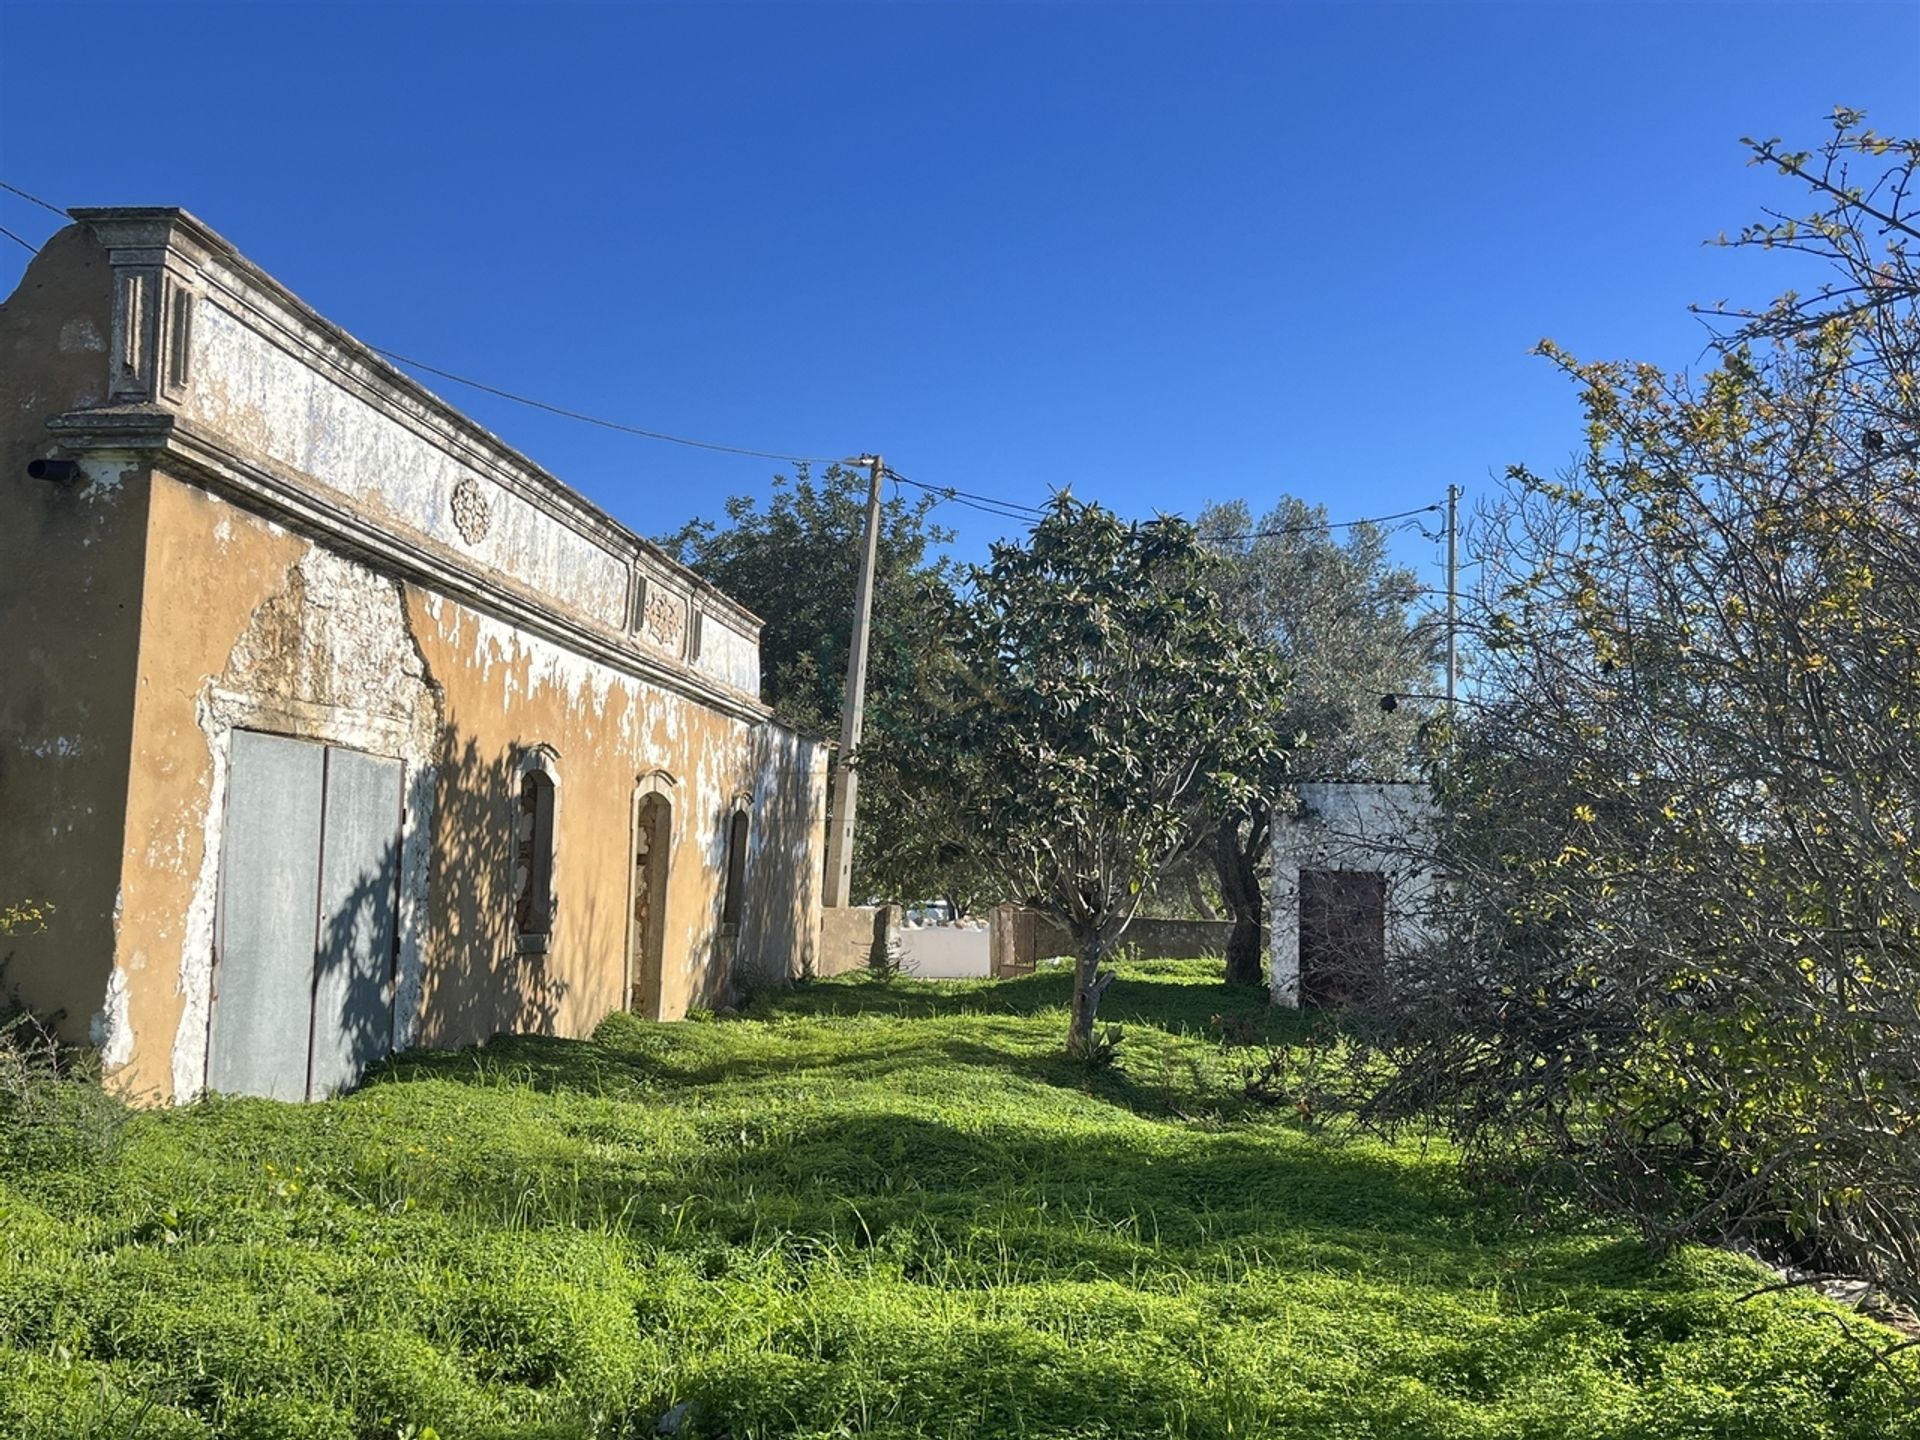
(795, 562)
(1341, 617)
(1095, 699)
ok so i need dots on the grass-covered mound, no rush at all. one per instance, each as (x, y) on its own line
(865, 1209)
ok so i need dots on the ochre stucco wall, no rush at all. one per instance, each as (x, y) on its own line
(240, 631)
(71, 559)
(276, 531)
(505, 692)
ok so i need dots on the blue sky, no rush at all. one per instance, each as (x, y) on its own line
(1164, 253)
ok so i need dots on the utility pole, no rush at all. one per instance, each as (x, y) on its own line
(1453, 594)
(846, 781)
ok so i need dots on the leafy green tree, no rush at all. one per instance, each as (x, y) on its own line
(1685, 810)
(796, 563)
(1094, 701)
(1342, 618)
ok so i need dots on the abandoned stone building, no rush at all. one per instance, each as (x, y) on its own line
(329, 724)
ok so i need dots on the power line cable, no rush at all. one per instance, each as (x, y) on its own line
(1013, 515)
(1313, 527)
(985, 504)
(604, 424)
(517, 399)
(1015, 510)
(1013, 507)
(26, 195)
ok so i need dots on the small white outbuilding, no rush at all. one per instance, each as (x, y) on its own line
(1353, 886)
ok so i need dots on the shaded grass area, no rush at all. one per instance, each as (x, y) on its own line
(864, 1208)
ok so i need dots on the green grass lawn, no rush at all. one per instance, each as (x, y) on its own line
(862, 1209)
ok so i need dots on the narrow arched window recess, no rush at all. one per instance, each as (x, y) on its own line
(535, 828)
(733, 897)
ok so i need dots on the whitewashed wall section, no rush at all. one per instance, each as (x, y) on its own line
(247, 385)
(726, 654)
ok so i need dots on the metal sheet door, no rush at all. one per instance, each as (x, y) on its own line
(264, 930)
(359, 899)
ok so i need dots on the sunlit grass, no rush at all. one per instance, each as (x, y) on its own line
(862, 1209)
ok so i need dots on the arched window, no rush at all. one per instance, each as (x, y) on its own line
(734, 895)
(533, 853)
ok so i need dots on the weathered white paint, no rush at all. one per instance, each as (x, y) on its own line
(250, 386)
(728, 655)
(102, 481)
(58, 747)
(1368, 826)
(111, 1029)
(195, 977)
(81, 336)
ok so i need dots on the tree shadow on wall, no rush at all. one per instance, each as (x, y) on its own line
(474, 981)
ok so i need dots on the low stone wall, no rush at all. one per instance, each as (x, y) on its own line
(853, 937)
(1179, 939)
(1022, 938)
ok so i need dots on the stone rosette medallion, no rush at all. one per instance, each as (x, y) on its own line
(665, 620)
(472, 516)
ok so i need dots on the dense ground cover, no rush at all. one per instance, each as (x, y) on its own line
(864, 1208)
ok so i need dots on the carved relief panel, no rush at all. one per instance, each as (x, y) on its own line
(660, 618)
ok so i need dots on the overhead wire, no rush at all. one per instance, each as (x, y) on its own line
(28, 195)
(1313, 527)
(1009, 508)
(1018, 510)
(603, 423)
(984, 504)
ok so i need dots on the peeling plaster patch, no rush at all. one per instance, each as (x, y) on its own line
(196, 945)
(728, 655)
(111, 1029)
(81, 336)
(546, 666)
(104, 479)
(330, 658)
(60, 747)
(249, 385)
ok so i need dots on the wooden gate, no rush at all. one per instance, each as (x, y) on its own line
(306, 936)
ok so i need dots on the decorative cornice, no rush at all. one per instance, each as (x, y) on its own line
(158, 436)
(165, 240)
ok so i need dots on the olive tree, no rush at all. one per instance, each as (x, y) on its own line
(1342, 618)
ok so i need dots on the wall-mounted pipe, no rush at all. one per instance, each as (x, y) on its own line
(57, 472)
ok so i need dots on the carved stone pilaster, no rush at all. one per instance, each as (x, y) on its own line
(155, 292)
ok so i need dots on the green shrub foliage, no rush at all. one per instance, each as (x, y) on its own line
(1685, 802)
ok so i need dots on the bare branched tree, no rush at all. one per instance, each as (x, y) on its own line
(1684, 809)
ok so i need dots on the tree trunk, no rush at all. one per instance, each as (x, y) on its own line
(1236, 862)
(1197, 895)
(1089, 984)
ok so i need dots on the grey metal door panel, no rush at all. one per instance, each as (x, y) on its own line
(270, 865)
(359, 898)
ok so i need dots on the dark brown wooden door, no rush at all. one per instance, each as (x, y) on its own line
(1343, 935)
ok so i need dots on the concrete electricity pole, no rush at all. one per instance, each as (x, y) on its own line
(846, 780)
(1453, 593)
